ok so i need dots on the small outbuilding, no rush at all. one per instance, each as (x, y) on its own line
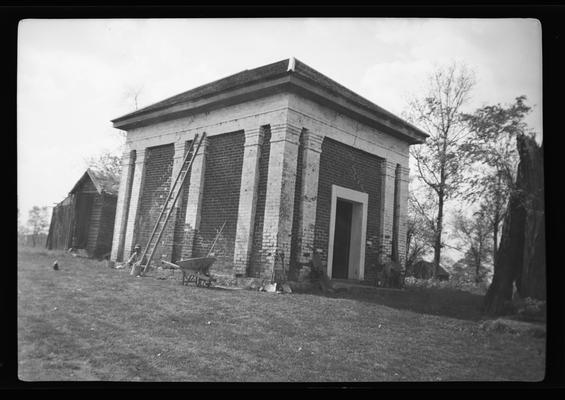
(85, 219)
(425, 270)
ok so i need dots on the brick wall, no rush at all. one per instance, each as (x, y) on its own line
(156, 186)
(354, 169)
(256, 255)
(220, 200)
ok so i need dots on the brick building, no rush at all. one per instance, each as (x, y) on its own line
(293, 163)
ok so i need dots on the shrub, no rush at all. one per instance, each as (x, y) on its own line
(475, 288)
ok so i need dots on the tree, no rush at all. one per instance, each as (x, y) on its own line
(493, 148)
(514, 198)
(107, 164)
(463, 272)
(419, 230)
(22, 229)
(520, 259)
(132, 93)
(440, 161)
(474, 234)
(38, 221)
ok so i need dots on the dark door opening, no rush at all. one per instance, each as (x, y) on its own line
(342, 239)
(83, 212)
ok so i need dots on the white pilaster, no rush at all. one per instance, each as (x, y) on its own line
(194, 201)
(136, 190)
(388, 174)
(312, 148)
(122, 205)
(247, 199)
(180, 148)
(279, 199)
(404, 180)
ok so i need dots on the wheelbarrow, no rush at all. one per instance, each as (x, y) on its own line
(194, 270)
(197, 269)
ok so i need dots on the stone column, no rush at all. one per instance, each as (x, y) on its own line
(122, 205)
(194, 201)
(279, 199)
(403, 182)
(388, 173)
(312, 148)
(136, 190)
(247, 199)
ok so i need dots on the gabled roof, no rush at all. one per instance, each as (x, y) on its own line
(442, 271)
(104, 183)
(286, 75)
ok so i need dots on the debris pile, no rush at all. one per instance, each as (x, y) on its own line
(504, 325)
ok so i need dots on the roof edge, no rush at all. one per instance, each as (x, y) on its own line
(293, 68)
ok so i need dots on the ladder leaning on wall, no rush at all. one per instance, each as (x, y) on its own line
(168, 207)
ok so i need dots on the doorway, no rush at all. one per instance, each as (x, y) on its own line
(348, 226)
(342, 239)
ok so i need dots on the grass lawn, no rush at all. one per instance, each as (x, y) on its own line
(90, 322)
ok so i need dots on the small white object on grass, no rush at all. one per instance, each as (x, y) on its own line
(270, 287)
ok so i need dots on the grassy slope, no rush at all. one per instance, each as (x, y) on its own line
(88, 322)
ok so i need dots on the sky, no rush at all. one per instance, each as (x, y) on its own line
(74, 76)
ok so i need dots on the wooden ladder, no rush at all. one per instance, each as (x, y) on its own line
(168, 207)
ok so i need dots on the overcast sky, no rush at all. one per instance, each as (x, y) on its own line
(74, 76)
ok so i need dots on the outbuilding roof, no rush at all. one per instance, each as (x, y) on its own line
(288, 74)
(104, 183)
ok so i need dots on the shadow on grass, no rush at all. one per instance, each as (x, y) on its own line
(445, 302)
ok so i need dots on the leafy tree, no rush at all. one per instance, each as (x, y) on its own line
(463, 272)
(419, 230)
(440, 161)
(22, 229)
(38, 221)
(495, 155)
(474, 235)
(107, 163)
